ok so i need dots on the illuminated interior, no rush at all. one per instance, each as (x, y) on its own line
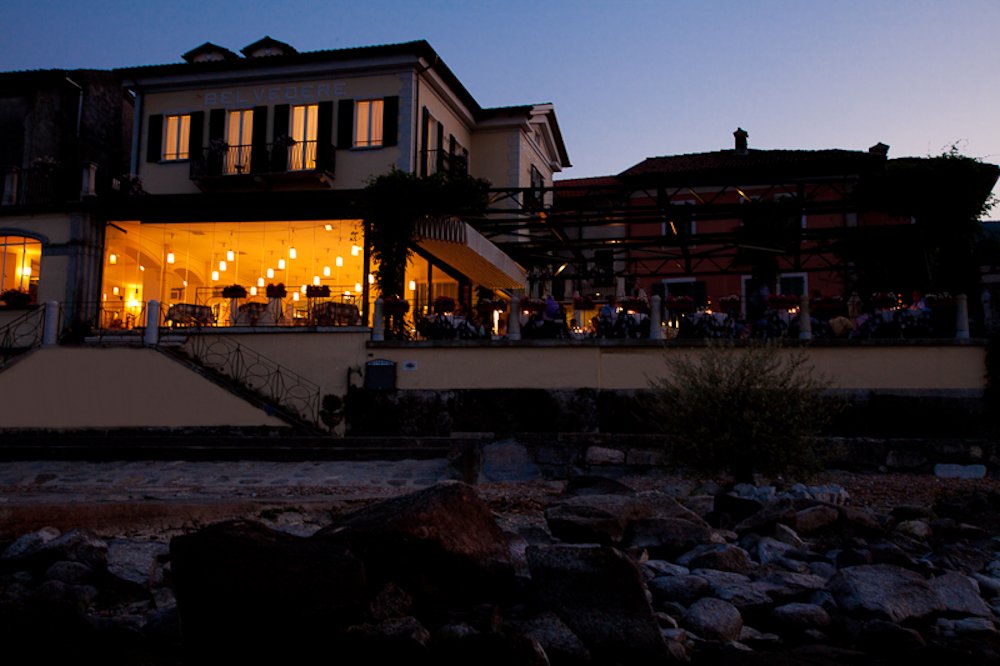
(192, 263)
(20, 260)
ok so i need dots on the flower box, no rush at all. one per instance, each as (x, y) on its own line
(443, 304)
(318, 291)
(234, 291)
(276, 290)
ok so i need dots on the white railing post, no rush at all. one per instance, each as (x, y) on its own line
(514, 319)
(656, 318)
(89, 180)
(50, 330)
(9, 187)
(961, 317)
(378, 320)
(805, 320)
(152, 335)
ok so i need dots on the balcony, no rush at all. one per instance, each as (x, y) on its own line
(302, 164)
(46, 185)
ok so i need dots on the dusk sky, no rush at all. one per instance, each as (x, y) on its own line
(629, 79)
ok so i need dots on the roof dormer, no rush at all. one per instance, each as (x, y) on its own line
(209, 52)
(267, 47)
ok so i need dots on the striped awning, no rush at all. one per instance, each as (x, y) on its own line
(466, 250)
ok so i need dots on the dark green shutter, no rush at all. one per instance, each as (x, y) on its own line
(425, 137)
(279, 156)
(345, 123)
(258, 141)
(390, 121)
(216, 132)
(154, 142)
(324, 136)
(195, 142)
(440, 147)
(216, 124)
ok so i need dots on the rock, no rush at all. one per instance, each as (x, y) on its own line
(905, 460)
(390, 602)
(989, 585)
(599, 455)
(917, 529)
(800, 616)
(29, 543)
(440, 544)
(655, 568)
(601, 519)
(645, 457)
(713, 619)
(824, 570)
(911, 512)
(884, 591)
(780, 510)
(703, 505)
(560, 644)
(599, 593)
(137, 561)
(579, 486)
(507, 460)
(244, 590)
(758, 639)
(861, 521)
(737, 589)
(397, 640)
(959, 595)
(974, 625)
(770, 552)
(683, 589)
(788, 585)
(731, 509)
(787, 535)
(666, 537)
(722, 557)
(814, 519)
(41, 549)
(884, 637)
(69, 572)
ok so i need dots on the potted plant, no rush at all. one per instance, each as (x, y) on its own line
(532, 305)
(443, 304)
(276, 290)
(234, 291)
(635, 304)
(583, 303)
(318, 291)
(395, 306)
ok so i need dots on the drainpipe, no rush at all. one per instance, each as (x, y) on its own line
(136, 127)
(79, 103)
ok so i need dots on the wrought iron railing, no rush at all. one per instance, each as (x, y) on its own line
(262, 159)
(267, 379)
(21, 335)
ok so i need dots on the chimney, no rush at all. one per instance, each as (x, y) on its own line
(741, 140)
(879, 149)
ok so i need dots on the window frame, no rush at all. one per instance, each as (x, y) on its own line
(373, 124)
(176, 146)
(303, 159)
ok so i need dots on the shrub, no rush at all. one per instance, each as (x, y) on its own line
(743, 409)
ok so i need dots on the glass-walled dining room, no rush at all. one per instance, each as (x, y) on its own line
(232, 273)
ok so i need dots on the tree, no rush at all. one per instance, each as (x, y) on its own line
(742, 409)
(393, 203)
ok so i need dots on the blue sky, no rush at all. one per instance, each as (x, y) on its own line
(629, 79)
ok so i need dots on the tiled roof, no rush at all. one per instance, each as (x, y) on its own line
(731, 161)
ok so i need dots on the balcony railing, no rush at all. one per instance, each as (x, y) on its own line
(48, 185)
(262, 159)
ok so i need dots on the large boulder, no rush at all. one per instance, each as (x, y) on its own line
(884, 591)
(244, 590)
(599, 593)
(960, 595)
(440, 544)
(667, 537)
(601, 519)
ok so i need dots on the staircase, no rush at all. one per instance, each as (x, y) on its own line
(281, 392)
(21, 336)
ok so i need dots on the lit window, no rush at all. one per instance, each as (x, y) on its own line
(239, 139)
(20, 260)
(175, 138)
(302, 153)
(368, 129)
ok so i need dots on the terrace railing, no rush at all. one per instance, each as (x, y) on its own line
(21, 335)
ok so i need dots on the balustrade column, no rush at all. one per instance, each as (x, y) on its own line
(656, 318)
(961, 317)
(152, 335)
(514, 319)
(50, 330)
(378, 321)
(805, 319)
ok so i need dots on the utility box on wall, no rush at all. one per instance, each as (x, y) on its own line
(380, 375)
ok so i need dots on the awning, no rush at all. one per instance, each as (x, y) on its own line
(466, 250)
